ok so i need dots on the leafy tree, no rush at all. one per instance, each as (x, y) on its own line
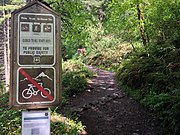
(122, 20)
(7, 6)
(74, 22)
(163, 20)
(148, 20)
(151, 74)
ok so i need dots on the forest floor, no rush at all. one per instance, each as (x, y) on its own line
(106, 110)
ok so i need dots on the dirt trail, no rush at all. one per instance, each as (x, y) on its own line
(105, 110)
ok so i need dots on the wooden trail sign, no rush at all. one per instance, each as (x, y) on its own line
(35, 60)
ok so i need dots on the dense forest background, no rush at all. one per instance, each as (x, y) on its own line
(137, 39)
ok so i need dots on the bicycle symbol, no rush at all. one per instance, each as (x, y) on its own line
(29, 92)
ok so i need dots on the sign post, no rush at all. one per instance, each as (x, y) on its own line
(35, 65)
(35, 57)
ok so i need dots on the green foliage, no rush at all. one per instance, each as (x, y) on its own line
(123, 20)
(16, 1)
(160, 64)
(77, 17)
(153, 76)
(64, 126)
(167, 106)
(159, 19)
(74, 77)
(74, 22)
(105, 51)
(10, 121)
(73, 83)
(163, 20)
(5, 17)
(12, 5)
(9, 7)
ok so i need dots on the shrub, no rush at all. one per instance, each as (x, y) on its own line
(107, 52)
(74, 78)
(65, 126)
(10, 120)
(73, 83)
(167, 106)
(154, 74)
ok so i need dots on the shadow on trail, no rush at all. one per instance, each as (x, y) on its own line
(105, 110)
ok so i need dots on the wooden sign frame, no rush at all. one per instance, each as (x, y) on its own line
(35, 58)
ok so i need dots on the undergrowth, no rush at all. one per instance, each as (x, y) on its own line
(153, 77)
(10, 121)
(108, 58)
(74, 78)
(105, 51)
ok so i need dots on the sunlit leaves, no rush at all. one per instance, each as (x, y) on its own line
(123, 19)
(161, 19)
(74, 18)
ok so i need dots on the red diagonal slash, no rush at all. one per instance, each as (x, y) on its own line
(36, 84)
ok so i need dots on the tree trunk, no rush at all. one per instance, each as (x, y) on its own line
(6, 40)
(141, 25)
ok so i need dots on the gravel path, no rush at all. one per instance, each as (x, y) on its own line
(105, 110)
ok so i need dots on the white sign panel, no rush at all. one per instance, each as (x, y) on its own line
(36, 34)
(36, 39)
(36, 123)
